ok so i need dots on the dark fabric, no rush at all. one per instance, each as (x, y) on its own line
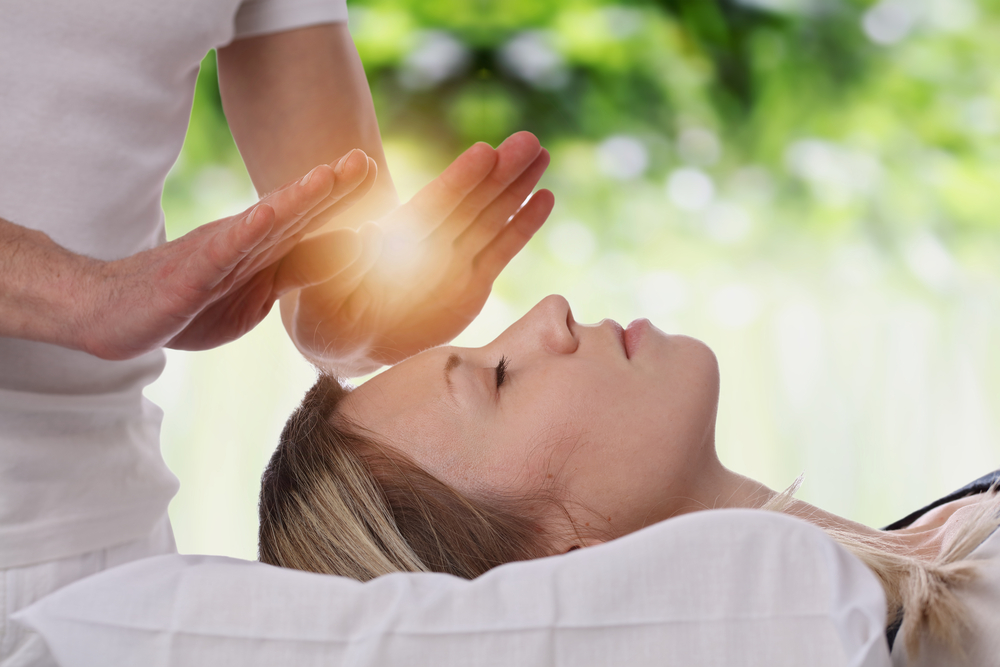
(893, 630)
(981, 485)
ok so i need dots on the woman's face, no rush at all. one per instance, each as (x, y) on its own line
(618, 424)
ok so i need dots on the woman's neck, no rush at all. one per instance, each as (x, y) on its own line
(732, 490)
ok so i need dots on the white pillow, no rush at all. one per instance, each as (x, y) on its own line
(727, 587)
(981, 639)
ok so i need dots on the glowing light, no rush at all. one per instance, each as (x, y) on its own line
(403, 255)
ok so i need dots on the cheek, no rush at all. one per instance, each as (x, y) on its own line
(448, 449)
(532, 439)
(698, 394)
(686, 393)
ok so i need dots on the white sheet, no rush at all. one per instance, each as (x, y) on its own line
(729, 587)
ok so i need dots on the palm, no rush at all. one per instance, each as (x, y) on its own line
(216, 283)
(228, 318)
(428, 267)
(403, 317)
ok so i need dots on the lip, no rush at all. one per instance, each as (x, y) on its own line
(635, 332)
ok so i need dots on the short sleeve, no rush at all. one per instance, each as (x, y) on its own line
(259, 17)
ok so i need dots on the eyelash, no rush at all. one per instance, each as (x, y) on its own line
(502, 371)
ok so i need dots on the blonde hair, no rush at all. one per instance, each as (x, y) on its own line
(333, 500)
(921, 592)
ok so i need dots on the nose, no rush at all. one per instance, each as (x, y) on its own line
(549, 323)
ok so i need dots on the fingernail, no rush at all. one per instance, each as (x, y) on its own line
(343, 161)
(305, 179)
(253, 215)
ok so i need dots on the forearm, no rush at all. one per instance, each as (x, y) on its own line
(298, 99)
(43, 288)
(326, 355)
(293, 100)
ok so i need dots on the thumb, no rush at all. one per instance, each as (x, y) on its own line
(316, 260)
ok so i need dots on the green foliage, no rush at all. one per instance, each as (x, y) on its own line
(917, 118)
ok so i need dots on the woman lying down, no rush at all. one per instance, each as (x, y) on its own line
(556, 436)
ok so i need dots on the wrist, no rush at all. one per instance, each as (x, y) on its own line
(44, 291)
(330, 358)
(88, 300)
(69, 297)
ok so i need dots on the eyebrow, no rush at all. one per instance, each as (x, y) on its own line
(453, 362)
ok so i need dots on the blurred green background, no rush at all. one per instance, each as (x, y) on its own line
(809, 186)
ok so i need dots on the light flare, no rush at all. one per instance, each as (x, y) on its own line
(405, 257)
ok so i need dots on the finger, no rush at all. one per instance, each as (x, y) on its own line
(214, 259)
(436, 201)
(489, 223)
(334, 205)
(334, 292)
(495, 256)
(291, 225)
(317, 260)
(514, 155)
(294, 202)
(225, 320)
(335, 165)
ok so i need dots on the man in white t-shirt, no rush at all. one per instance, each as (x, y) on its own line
(94, 104)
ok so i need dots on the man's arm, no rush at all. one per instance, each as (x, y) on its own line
(299, 98)
(204, 289)
(291, 99)
(43, 287)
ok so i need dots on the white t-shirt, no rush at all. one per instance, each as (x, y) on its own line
(95, 98)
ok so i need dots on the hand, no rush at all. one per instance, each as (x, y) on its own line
(216, 283)
(427, 268)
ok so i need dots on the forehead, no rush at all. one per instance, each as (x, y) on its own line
(412, 387)
(408, 408)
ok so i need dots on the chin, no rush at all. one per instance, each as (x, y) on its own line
(698, 348)
(697, 362)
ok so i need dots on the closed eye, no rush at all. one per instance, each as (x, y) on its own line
(501, 370)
